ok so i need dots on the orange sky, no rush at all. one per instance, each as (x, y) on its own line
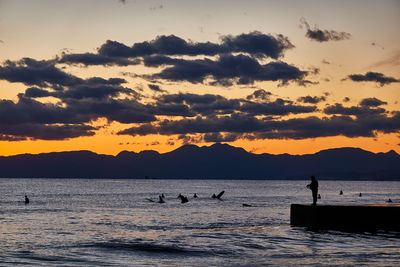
(356, 43)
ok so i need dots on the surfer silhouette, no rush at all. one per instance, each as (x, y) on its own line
(341, 192)
(161, 199)
(219, 195)
(183, 198)
(313, 186)
(26, 200)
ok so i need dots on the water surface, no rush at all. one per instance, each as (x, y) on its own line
(75, 222)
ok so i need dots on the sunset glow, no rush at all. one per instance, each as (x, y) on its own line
(273, 77)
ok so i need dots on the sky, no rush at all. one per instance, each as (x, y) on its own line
(273, 77)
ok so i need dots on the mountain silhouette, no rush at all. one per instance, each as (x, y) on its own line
(219, 161)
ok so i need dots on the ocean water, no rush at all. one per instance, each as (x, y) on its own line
(92, 222)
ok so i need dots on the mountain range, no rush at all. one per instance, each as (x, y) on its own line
(218, 161)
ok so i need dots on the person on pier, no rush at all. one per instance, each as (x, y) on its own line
(313, 186)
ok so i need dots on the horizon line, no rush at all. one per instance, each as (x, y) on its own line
(217, 143)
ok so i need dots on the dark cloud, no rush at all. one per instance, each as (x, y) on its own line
(190, 139)
(257, 44)
(160, 60)
(93, 91)
(28, 118)
(277, 107)
(215, 104)
(155, 88)
(218, 137)
(199, 104)
(323, 35)
(45, 132)
(311, 99)
(34, 92)
(94, 87)
(232, 123)
(189, 98)
(253, 128)
(372, 102)
(254, 43)
(33, 72)
(121, 110)
(373, 77)
(12, 138)
(313, 127)
(173, 109)
(240, 69)
(88, 59)
(354, 110)
(259, 94)
(30, 111)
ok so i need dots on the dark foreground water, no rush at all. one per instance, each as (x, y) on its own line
(95, 222)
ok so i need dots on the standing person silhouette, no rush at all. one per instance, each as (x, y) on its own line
(314, 189)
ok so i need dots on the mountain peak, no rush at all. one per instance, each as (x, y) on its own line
(217, 161)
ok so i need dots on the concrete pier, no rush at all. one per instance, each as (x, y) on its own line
(355, 218)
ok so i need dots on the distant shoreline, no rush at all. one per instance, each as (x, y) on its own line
(219, 161)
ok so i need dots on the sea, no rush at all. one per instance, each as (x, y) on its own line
(119, 222)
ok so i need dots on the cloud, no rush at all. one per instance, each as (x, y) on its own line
(240, 69)
(372, 102)
(33, 72)
(30, 111)
(311, 99)
(257, 44)
(12, 138)
(277, 107)
(190, 139)
(192, 104)
(255, 128)
(201, 104)
(354, 110)
(94, 87)
(373, 77)
(120, 110)
(393, 60)
(155, 88)
(259, 94)
(218, 137)
(29, 118)
(323, 35)
(45, 132)
(254, 43)
(34, 92)
(88, 59)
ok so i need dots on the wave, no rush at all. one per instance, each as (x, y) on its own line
(140, 246)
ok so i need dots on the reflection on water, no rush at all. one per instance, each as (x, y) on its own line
(112, 222)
